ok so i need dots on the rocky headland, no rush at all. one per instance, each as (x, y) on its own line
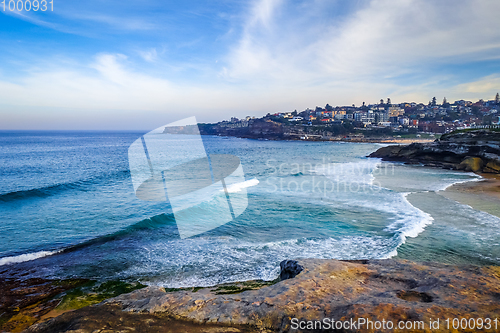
(261, 129)
(474, 150)
(308, 290)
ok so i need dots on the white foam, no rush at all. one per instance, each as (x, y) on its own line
(226, 259)
(475, 179)
(409, 220)
(391, 254)
(239, 186)
(415, 226)
(25, 257)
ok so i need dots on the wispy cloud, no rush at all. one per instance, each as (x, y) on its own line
(32, 18)
(115, 22)
(487, 86)
(149, 55)
(381, 38)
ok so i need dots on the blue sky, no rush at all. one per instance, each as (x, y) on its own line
(140, 64)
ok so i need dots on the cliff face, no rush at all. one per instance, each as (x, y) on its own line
(270, 130)
(477, 151)
(254, 129)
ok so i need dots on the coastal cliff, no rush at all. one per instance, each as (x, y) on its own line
(476, 150)
(310, 290)
(252, 129)
(266, 129)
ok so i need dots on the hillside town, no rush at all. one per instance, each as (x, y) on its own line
(382, 119)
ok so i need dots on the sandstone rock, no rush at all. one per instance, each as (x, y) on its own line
(372, 289)
(493, 166)
(480, 149)
(474, 164)
(344, 290)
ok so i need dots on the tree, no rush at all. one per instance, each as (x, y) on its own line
(476, 111)
(381, 102)
(388, 101)
(445, 103)
(328, 107)
(433, 101)
(497, 99)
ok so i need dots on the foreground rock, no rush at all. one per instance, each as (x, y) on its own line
(24, 302)
(477, 151)
(390, 290)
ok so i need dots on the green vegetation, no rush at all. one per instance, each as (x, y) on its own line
(91, 293)
(496, 129)
(26, 304)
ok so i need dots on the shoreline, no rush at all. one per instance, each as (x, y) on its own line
(394, 140)
(482, 195)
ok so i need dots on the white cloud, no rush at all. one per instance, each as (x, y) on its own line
(487, 86)
(149, 55)
(106, 82)
(383, 37)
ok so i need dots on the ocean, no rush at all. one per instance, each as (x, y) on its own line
(68, 209)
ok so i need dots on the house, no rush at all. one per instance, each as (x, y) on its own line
(381, 117)
(404, 121)
(395, 111)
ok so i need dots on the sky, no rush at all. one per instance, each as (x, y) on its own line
(141, 64)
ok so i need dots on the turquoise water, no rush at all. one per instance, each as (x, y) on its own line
(68, 209)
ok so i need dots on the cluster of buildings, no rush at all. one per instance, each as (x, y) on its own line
(431, 117)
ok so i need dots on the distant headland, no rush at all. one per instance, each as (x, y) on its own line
(380, 122)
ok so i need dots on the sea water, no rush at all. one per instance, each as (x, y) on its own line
(68, 209)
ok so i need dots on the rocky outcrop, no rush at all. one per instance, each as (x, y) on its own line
(477, 151)
(253, 129)
(374, 290)
(24, 302)
(289, 269)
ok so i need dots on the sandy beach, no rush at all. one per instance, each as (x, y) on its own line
(483, 195)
